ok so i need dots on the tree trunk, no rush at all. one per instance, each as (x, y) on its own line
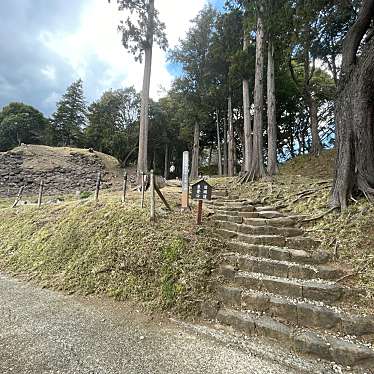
(166, 162)
(195, 152)
(143, 131)
(272, 168)
(230, 156)
(310, 102)
(316, 141)
(257, 164)
(354, 171)
(225, 163)
(247, 117)
(219, 146)
(210, 155)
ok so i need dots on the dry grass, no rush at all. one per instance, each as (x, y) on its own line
(112, 249)
(44, 158)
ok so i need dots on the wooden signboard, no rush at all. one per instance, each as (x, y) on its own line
(201, 190)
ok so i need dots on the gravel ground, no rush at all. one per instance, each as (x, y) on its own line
(42, 331)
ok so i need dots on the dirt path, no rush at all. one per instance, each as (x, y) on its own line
(45, 332)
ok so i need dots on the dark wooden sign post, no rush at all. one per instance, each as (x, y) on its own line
(201, 190)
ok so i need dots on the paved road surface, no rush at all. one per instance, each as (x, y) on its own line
(45, 332)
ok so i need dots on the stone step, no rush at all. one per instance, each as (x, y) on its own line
(271, 214)
(276, 222)
(301, 242)
(313, 289)
(228, 218)
(303, 341)
(277, 253)
(265, 209)
(244, 208)
(273, 240)
(236, 213)
(284, 269)
(298, 311)
(231, 203)
(259, 230)
(219, 193)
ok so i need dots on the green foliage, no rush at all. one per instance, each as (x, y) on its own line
(137, 33)
(70, 118)
(21, 123)
(113, 122)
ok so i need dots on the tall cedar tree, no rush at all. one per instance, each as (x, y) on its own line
(70, 119)
(140, 29)
(192, 54)
(355, 112)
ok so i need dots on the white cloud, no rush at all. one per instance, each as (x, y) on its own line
(97, 39)
(49, 72)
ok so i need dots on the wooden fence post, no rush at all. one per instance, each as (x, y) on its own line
(124, 187)
(19, 196)
(199, 212)
(152, 190)
(40, 198)
(143, 190)
(98, 183)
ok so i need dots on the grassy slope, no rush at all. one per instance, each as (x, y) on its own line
(350, 234)
(41, 157)
(111, 249)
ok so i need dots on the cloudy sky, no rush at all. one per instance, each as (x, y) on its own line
(47, 44)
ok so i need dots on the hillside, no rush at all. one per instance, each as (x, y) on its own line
(113, 250)
(302, 188)
(64, 170)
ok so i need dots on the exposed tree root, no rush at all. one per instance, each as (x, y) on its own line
(358, 272)
(320, 216)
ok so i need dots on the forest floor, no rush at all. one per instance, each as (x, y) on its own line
(302, 187)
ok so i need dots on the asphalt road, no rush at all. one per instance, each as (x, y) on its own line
(42, 331)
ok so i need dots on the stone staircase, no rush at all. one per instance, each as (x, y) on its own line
(278, 284)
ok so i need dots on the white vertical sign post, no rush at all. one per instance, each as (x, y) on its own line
(185, 181)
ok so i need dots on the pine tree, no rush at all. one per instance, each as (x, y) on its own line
(70, 119)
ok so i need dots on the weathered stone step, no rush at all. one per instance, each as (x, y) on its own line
(244, 208)
(236, 213)
(265, 209)
(284, 269)
(305, 341)
(298, 242)
(231, 203)
(271, 214)
(259, 230)
(276, 222)
(218, 193)
(277, 253)
(301, 242)
(297, 311)
(228, 218)
(308, 289)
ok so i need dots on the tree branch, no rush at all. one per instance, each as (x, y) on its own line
(356, 33)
